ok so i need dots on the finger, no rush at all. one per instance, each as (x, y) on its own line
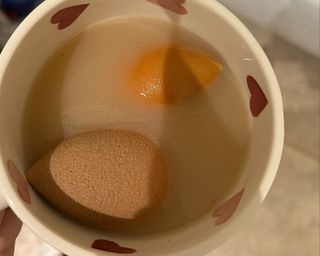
(9, 230)
(1, 216)
(8, 252)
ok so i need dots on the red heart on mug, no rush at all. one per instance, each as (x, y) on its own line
(109, 246)
(171, 5)
(65, 17)
(225, 211)
(20, 180)
(258, 100)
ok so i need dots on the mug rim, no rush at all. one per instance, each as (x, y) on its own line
(275, 149)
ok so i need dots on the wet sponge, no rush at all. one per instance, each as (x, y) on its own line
(102, 178)
(169, 74)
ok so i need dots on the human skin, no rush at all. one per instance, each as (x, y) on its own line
(10, 227)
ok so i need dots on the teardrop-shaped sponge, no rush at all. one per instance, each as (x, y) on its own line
(102, 178)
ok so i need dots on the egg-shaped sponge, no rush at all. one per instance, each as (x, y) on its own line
(102, 178)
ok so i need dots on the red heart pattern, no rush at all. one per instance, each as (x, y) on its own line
(21, 182)
(171, 5)
(109, 246)
(226, 210)
(65, 17)
(258, 100)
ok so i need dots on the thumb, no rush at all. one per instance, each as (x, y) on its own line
(10, 227)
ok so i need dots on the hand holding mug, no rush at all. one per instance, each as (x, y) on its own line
(10, 227)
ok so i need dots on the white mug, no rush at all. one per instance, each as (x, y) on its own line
(52, 24)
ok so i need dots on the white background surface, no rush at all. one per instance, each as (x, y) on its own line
(294, 20)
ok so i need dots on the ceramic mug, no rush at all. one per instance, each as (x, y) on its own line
(52, 24)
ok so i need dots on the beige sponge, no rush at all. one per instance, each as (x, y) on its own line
(102, 178)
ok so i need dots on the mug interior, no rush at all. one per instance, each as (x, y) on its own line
(37, 38)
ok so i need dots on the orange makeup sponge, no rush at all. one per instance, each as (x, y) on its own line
(168, 74)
